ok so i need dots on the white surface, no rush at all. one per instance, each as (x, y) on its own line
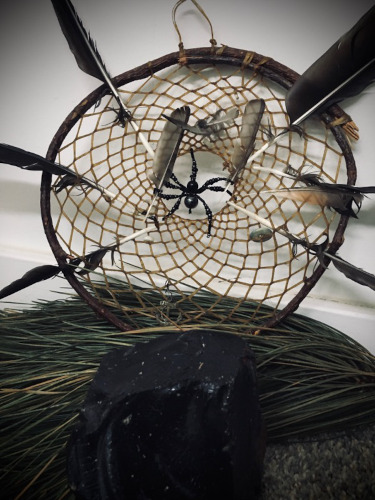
(40, 84)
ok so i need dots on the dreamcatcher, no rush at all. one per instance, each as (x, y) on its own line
(200, 171)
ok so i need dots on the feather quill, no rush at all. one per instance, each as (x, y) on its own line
(338, 197)
(168, 146)
(18, 157)
(251, 119)
(343, 71)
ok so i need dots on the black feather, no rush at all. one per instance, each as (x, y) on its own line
(35, 275)
(85, 51)
(308, 178)
(345, 70)
(65, 182)
(18, 157)
(93, 260)
(353, 273)
(80, 42)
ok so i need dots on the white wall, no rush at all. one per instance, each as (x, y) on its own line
(40, 84)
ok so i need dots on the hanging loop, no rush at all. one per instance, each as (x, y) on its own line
(181, 44)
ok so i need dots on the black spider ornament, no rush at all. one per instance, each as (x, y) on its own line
(191, 192)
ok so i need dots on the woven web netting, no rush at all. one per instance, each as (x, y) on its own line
(178, 257)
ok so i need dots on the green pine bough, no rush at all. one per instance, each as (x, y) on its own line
(312, 378)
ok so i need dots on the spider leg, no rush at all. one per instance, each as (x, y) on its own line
(174, 179)
(173, 186)
(219, 189)
(210, 182)
(176, 206)
(194, 166)
(208, 186)
(168, 184)
(170, 196)
(208, 213)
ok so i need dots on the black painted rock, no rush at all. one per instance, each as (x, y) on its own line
(175, 418)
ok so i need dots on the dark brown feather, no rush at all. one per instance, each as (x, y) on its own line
(80, 43)
(93, 260)
(85, 51)
(35, 275)
(40, 273)
(307, 178)
(353, 273)
(345, 70)
(18, 157)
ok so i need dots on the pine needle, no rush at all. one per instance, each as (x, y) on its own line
(312, 379)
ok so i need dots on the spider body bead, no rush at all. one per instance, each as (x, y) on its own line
(191, 199)
(191, 192)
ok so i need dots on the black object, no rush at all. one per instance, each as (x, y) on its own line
(343, 71)
(85, 51)
(175, 418)
(30, 161)
(191, 192)
(35, 275)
